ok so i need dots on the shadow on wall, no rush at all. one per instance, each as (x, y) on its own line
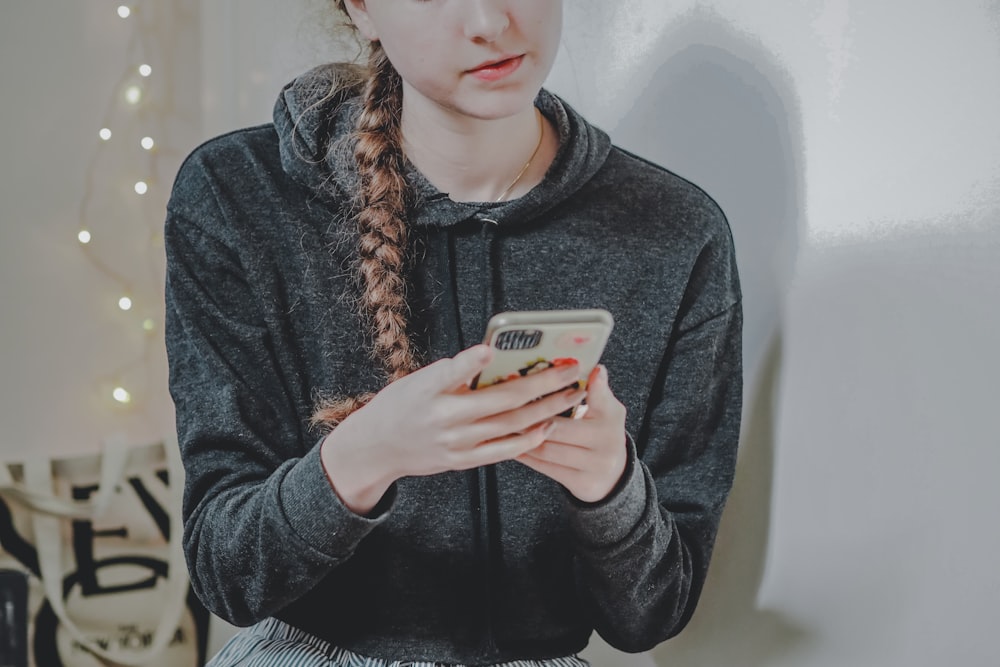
(720, 111)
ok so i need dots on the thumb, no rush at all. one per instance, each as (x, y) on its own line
(599, 395)
(460, 370)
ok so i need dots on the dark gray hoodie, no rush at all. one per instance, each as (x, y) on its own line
(475, 567)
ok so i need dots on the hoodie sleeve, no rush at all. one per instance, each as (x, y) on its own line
(262, 523)
(643, 552)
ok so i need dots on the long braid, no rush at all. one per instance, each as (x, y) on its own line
(382, 219)
(383, 202)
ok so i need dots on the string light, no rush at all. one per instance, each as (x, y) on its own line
(133, 94)
(131, 106)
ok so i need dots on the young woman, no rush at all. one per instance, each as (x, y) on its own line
(329, 278)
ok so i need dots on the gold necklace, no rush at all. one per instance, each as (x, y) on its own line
(517, 179)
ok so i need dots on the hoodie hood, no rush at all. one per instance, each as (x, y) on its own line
(315, 114)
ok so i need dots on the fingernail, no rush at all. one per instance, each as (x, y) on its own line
(570, 371)
(549, 427)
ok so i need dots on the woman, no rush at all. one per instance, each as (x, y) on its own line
(329, 274)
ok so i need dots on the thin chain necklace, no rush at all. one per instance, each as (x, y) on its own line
(534, 153)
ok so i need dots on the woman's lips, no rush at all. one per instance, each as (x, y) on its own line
(498, 69)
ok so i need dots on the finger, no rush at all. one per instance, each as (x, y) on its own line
(572, 431)
(553, 471)
(460, 370)
(526, 416)
(582, 484)
(601, 401)
(502, 449)
(514, 393)
(571, 457)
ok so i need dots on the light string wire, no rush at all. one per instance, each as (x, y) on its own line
(135, 86)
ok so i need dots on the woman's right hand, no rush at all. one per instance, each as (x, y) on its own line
(430, 422)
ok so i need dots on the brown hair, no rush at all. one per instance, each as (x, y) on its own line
(383, 202)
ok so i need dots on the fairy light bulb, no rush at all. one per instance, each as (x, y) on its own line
(147, 143)
(141, 187)
(145, 70)
(83, 236)
(124, 11)
(133, 94)
(125, 303)
(121, 395)
(104, 134)
(148, 324)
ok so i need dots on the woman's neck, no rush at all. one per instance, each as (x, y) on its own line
(478, 160)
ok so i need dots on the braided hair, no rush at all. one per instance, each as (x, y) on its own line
(383, 202)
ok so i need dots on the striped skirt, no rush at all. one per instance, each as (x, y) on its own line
(273, 643)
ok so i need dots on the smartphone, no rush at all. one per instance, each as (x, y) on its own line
(530, 341)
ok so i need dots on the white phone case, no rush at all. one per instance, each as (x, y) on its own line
(530, 341)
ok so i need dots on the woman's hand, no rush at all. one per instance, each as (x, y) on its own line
(586, 455)
(430, 422)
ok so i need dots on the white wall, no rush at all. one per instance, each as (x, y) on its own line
(855, 149)
(65, 343)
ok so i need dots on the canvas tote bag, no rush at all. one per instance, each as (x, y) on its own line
(99, 537)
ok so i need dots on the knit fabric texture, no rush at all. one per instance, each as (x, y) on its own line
(474, 567)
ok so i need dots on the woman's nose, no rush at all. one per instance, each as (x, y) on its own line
(486, 20)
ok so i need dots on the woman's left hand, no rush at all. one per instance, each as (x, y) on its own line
(586, 455)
